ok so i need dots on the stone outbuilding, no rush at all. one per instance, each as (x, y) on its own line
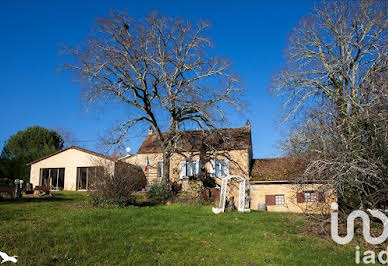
(274, 187)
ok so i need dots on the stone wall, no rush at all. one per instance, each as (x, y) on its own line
(192, 188)
(259, 191)
(152, 169)
(239, 161)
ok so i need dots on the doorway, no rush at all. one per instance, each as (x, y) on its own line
(53, 178)
(86, 176)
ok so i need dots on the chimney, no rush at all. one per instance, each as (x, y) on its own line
(150, 131)
(248, 124)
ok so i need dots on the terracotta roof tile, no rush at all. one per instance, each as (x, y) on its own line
(218, 139)
(276, 169)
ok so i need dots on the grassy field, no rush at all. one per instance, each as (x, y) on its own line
(66, 230)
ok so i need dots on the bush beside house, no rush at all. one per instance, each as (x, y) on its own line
(159, 192)
(117, 189)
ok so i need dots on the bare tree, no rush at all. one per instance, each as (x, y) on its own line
(162, 70)
(68, 136)
(334, 87)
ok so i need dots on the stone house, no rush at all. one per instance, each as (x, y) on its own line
(214, 153)
(224, 151)
(270, 182)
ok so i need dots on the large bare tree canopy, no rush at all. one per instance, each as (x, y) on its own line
(334, 87)
(162, 69)
(333, 54)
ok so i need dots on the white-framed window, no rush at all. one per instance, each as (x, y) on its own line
(310, 196)
(279, 199)
(221, 167)
(189, 168)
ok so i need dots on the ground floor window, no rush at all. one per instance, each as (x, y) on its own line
(86, 177)
(310, 196)
(222, 168)
(160, 169)
(279, 199)
(271, 200)
(53, 178)
(189, 168)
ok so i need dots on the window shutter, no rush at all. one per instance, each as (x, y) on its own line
(321, 197)
(183, 169)
(198, 168)
(269, 200)
(212, 167)
(226, 164)
(189, 168)
(300, 197)
(159, 170)
(217, 168)
(194, 167)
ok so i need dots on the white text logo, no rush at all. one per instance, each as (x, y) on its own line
(365, 226)
(6, 258)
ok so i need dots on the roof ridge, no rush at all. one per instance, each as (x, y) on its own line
(72, 147)
(215, 129)
(223, 128)
(274, 158)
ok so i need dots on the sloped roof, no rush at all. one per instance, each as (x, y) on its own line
(76, 148)
(218, 139)
(277, 169)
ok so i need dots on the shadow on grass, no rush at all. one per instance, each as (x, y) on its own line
(37, 200)
(144, 203)
(56, 197)
(66, 196)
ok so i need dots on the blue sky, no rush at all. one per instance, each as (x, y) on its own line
(251, 34)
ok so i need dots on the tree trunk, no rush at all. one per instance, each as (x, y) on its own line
(166, 167)
(202, 159)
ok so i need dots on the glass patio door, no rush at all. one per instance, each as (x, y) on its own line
(86, 176)
(82, 177)
(53, 178)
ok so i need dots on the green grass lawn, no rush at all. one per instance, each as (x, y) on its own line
(66, 230)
